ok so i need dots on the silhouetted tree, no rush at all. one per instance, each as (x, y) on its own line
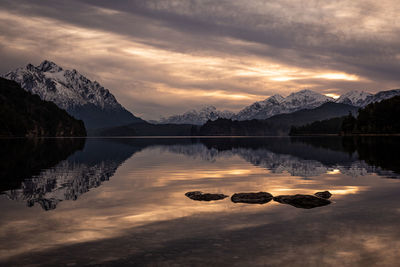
(349, 124)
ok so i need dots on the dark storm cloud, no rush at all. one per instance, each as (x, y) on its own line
(361, 39)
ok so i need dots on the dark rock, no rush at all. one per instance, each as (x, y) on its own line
(324, 194)
(302, 201)
(197, 195)
(252, 198)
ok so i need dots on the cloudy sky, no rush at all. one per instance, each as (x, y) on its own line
(164, 57)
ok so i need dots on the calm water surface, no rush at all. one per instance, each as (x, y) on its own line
(122, 202)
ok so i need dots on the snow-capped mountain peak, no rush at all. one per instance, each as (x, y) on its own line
(49, 66)
(73, 92)
(199, 116)
(67, 89)
(361, 98)
(277, 104)
(305, 99)
(277, 97)
(355, 98)
(382, 95)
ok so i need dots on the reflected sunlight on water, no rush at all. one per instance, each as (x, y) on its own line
(99, 195)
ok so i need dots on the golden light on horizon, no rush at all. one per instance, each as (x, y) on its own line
(334, 96)
(338, 76)
(139, 72)
(281, 73)
(205, 93)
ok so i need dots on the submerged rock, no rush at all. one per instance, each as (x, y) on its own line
(252, 198)
(324, 194)
(197, 195)
(302, 201)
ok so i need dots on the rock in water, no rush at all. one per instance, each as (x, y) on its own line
(302, 201)
(324, 194)
(197, 195)
(252, 198)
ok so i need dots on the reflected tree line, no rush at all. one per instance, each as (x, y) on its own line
(47, 171)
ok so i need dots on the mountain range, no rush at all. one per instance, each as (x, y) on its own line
(277, 125)
(277, 104)
(198, 117)
(82, 98)
(64, 169)
(98, 108)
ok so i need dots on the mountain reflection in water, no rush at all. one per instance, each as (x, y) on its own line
(122, 202)
(47, 171)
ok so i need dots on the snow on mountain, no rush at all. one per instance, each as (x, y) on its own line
(271, 106)
(361, 99)
(198, 117)
(72, 91)
(97, 107)
(381, 96)
(307, 99)
(355, 98)
(276, 104)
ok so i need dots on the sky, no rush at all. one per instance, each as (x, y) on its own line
(165, 57)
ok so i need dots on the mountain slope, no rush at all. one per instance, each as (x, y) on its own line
(304, 99)
(323, 112)
(197, 117)
(379, 117)
(378, 97)
(25, 115)
(376, 118)
(331, 126)
(71, 91)
(362, 99)
(354, 98)
(276, 125)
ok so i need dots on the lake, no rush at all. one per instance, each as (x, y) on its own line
(121, 201)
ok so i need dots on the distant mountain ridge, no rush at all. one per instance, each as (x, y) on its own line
(198, 117)
(378, 118)
(277, 104)
(278, 125)
(354, 98)
(362, 99)
(97, 107)
(70, 90)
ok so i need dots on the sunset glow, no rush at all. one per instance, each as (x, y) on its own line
(335, 96)
(338, 76)
(153, 65)
(199, 133)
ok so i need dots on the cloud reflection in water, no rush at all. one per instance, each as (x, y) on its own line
(146, 194)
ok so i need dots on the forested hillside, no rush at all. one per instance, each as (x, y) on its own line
(25, 115)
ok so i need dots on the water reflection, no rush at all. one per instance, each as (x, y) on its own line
(26, 158)
(306, 157)
(51, 176)
(48, 171)
(140, 216)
